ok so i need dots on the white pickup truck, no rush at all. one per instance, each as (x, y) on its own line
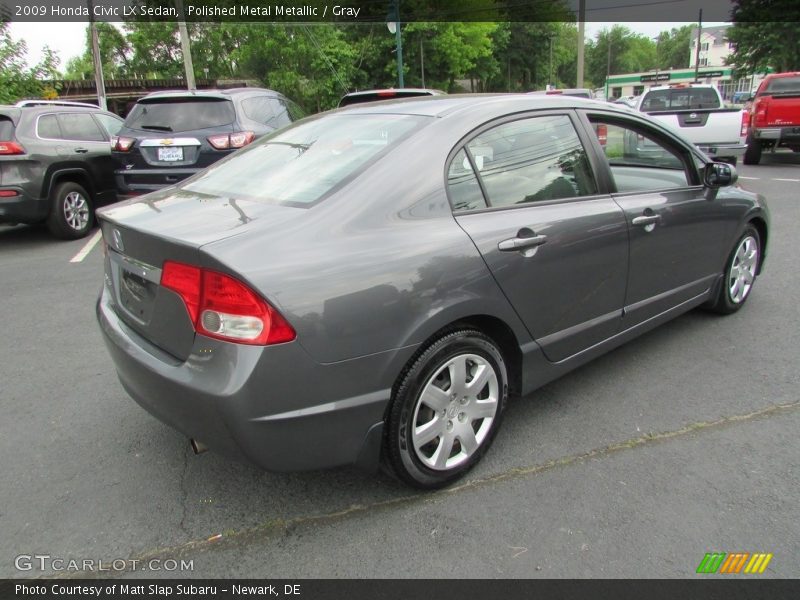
(698, 114)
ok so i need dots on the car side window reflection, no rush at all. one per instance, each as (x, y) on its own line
(639, 162)
(465, 192)
(532, 160)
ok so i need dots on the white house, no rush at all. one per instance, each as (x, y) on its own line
(714, 46)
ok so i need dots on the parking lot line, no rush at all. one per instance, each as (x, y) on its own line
(87, 247)
(743, 177)
(792, 180)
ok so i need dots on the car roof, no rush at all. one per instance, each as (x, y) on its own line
(441, 106)
(219, 94)
(17, 112)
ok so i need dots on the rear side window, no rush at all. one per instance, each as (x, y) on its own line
(783, 85)
(300, 165)
(181, 114)
(48, 127)
(465, 191)
(680, 99)
(6, 129)
(80, 126)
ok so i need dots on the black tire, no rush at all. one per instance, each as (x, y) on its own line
(71, 211)
(461, 409)
(725, 302)
(752, 156)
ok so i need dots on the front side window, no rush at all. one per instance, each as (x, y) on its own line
(532, 160)
(639, 160)
(300, 165)
(81, 127)
(112, 125)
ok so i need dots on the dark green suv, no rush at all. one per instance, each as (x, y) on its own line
(56, 165)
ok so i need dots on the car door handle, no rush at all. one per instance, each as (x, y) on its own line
(81, 150)
(521, 243)
(646, 220)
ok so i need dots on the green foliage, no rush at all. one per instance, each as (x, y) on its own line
(17, 79)
(629, 53)
(765, 34)
(674, 48)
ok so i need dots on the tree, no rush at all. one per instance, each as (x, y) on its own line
(674, 47)
(115, 55)
(619, 50)
(17, 79)
(764, 35)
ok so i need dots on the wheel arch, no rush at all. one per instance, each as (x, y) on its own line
(493, 327)
(73, 175)
(761, 226)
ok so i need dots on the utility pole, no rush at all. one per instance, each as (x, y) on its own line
(581, 19)
(394, 27)
(658, 40)
(422, 59)
(608, 61)
(185, 48)
(697, 50)
(99, 82)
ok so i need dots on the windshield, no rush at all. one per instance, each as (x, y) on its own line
(180, 114)
(783, 85)
(301, 164)
(680, 99)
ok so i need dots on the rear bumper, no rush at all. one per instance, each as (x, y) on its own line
(723, 150)
(22, 208)
(271, 406)
(142, 181)
(781, 135)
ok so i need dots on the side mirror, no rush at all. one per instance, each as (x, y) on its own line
(719, 175)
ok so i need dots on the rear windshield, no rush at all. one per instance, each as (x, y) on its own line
(680, 99)
(783, 85)
(301, 164)
(374, 96)
(180, 114)
(6, 129)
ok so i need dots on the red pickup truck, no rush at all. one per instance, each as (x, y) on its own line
(774, 116)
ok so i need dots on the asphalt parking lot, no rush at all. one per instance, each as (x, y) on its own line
(680, 443)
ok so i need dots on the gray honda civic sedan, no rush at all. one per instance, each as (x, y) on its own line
(369, 285)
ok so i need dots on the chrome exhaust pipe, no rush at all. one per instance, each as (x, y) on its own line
(197, 447)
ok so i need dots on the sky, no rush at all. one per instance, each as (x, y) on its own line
(69, 39)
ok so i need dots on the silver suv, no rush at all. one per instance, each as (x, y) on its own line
(56, 165)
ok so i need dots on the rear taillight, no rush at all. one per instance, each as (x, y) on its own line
(7, 148)
(745, 124)
(225, 308)
(231, 140)
(602, 134)
(8, 193)
(760, 111)
(122, 144)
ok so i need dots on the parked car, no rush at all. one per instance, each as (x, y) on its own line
(386, 94)
(374, 282)
(55, 164)
(774, 117)
(629, 101)
(576, 92)
(169, 136)
(697, 112)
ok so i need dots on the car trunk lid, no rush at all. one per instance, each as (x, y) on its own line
(141, 234)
